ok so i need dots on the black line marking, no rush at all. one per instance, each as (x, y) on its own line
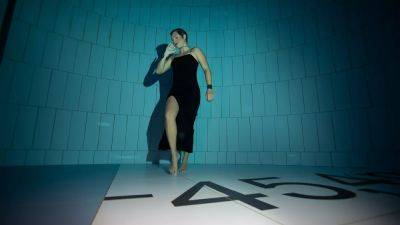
(127, 197)
(250, 199)
(379, 192)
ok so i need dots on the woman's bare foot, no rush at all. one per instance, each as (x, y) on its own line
(184, 163)
(183, 167)
(173, 169)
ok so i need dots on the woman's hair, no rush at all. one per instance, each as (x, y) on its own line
(181, 32)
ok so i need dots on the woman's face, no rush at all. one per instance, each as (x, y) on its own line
(177, 39)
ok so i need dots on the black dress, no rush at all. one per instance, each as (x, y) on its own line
(186, 91)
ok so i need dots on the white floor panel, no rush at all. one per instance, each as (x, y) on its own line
(161, 211)
(222, 197)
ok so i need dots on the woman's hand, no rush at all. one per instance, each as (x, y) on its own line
(169, 50)
(209, 95)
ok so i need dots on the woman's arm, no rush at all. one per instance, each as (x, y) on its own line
(203, 62)
(164, 64)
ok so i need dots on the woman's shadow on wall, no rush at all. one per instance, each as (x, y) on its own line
(156, 124)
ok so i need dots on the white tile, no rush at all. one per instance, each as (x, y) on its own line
(139, 179)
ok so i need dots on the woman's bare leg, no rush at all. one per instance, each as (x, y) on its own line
(171, 112)
(184, 162)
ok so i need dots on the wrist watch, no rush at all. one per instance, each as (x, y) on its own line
(209, 86)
